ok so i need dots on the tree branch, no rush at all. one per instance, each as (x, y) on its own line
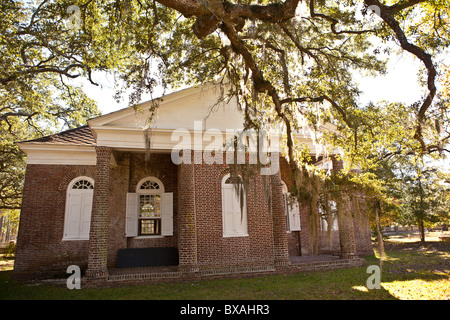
(401, 5)
(333, 21)
(385, 14)
(260, 83)
(322, 98)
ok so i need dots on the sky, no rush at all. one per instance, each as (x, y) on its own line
(400, 84)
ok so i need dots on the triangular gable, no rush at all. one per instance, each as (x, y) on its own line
(177, 110)
(190, 111)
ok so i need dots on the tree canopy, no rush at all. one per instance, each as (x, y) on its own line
(35, 96)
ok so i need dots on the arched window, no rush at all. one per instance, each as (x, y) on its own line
(77, 220)
(150, 191)
(149, 210)
(234, 207)
(150, 184)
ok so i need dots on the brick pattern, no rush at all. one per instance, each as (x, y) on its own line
(358, 232)
(118, 186)
(187, 233)
(40, 250)
(346, 229)
(279, 222)
(98, 237)
(198, 232)
(215, 251)
(294, 241)
(362, 231)
(298, 241)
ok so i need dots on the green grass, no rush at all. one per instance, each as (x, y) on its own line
(410, 271)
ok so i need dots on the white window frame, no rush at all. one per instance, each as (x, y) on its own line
(231, 212)
(133, 207)
(86, 201)
(142, 192)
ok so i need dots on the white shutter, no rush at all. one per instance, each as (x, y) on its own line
(131, 225)
(86, 211)
(234, 223)
(227, 209)
(73, 212)
(294, 216)
(240, 223)
(286, 211)
(167, 214)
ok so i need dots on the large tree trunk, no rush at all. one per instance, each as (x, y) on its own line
(346, 229)
(379, 233)
(421, 229)
(313, 225)
(1, 226)
(421, 214)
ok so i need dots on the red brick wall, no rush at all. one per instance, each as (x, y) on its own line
(40, 248)
(299, 240)
(159, 166)
(214, 250)
(198, 232)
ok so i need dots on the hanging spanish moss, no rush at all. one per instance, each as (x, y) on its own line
(328, 215)
(153, 110)
(148, 142)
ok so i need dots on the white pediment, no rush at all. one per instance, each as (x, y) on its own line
(178, 110)
(183, 110)
(188, 119)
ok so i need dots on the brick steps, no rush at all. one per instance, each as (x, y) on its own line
(301, 264)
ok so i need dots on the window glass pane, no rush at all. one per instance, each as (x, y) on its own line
(150, 185)
(149, 226)
(82, 184)
(149, 206)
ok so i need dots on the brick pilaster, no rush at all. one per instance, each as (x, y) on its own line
(346, 229)
(304, 231)
(187, 224)
(280, 241)
(98, 236)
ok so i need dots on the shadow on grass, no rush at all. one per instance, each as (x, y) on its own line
(406, 266)
(320, 285)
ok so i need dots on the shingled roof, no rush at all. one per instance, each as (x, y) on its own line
(81, 136)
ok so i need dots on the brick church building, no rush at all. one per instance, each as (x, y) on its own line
(96, 197)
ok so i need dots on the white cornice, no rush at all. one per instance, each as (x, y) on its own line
(41, 153)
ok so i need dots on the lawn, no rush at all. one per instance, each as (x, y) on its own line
(410, 271)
